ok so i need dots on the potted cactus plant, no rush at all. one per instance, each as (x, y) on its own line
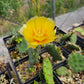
(68, 41)
(72, 71)
(33, 49)
(70, 44)
(79, 30)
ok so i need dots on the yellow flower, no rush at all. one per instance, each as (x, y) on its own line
(39, 31)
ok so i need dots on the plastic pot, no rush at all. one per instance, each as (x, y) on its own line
(65, 51)
(5, 40)
(7, 74)
(24, 59)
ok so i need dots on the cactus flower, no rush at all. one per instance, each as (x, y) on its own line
(39, 31)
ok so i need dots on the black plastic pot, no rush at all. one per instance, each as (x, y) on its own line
(20, 61)
(79, 42)
(16, 63)
(31, 81)
(5, 40)
(7, 74)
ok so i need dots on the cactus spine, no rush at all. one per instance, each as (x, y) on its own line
(54, 51)
(47, 71)
(76, 62)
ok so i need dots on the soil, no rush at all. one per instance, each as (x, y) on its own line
(79, 34)
(25, 74)
(2, 67)
(9, 45)
(72, 78)
(16, 55)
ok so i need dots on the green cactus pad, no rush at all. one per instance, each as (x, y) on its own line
(33, 56)
(54, 51)
(62, 71)
(66, 36)
(78, 29)
(35, 82)
(76, 62)
(22, 47)
(73, 38)
(82, 33)
(47, 71)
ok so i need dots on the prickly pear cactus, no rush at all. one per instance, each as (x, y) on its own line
(33, 56)
(66, 36)
(22, 47)
(73, 38)
(76, 62)
(35, 82)
(79, 29)
(47, 71)
(54, 51)
(62, 71)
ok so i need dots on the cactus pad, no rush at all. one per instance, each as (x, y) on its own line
(79, 29)
(22, 47)
(47, 71)
(33, 56)
(62, 71)
(73, 38)
(54, 51)
(66, 36)
(76, 62)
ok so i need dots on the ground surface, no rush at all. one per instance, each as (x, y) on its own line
(73, 17)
